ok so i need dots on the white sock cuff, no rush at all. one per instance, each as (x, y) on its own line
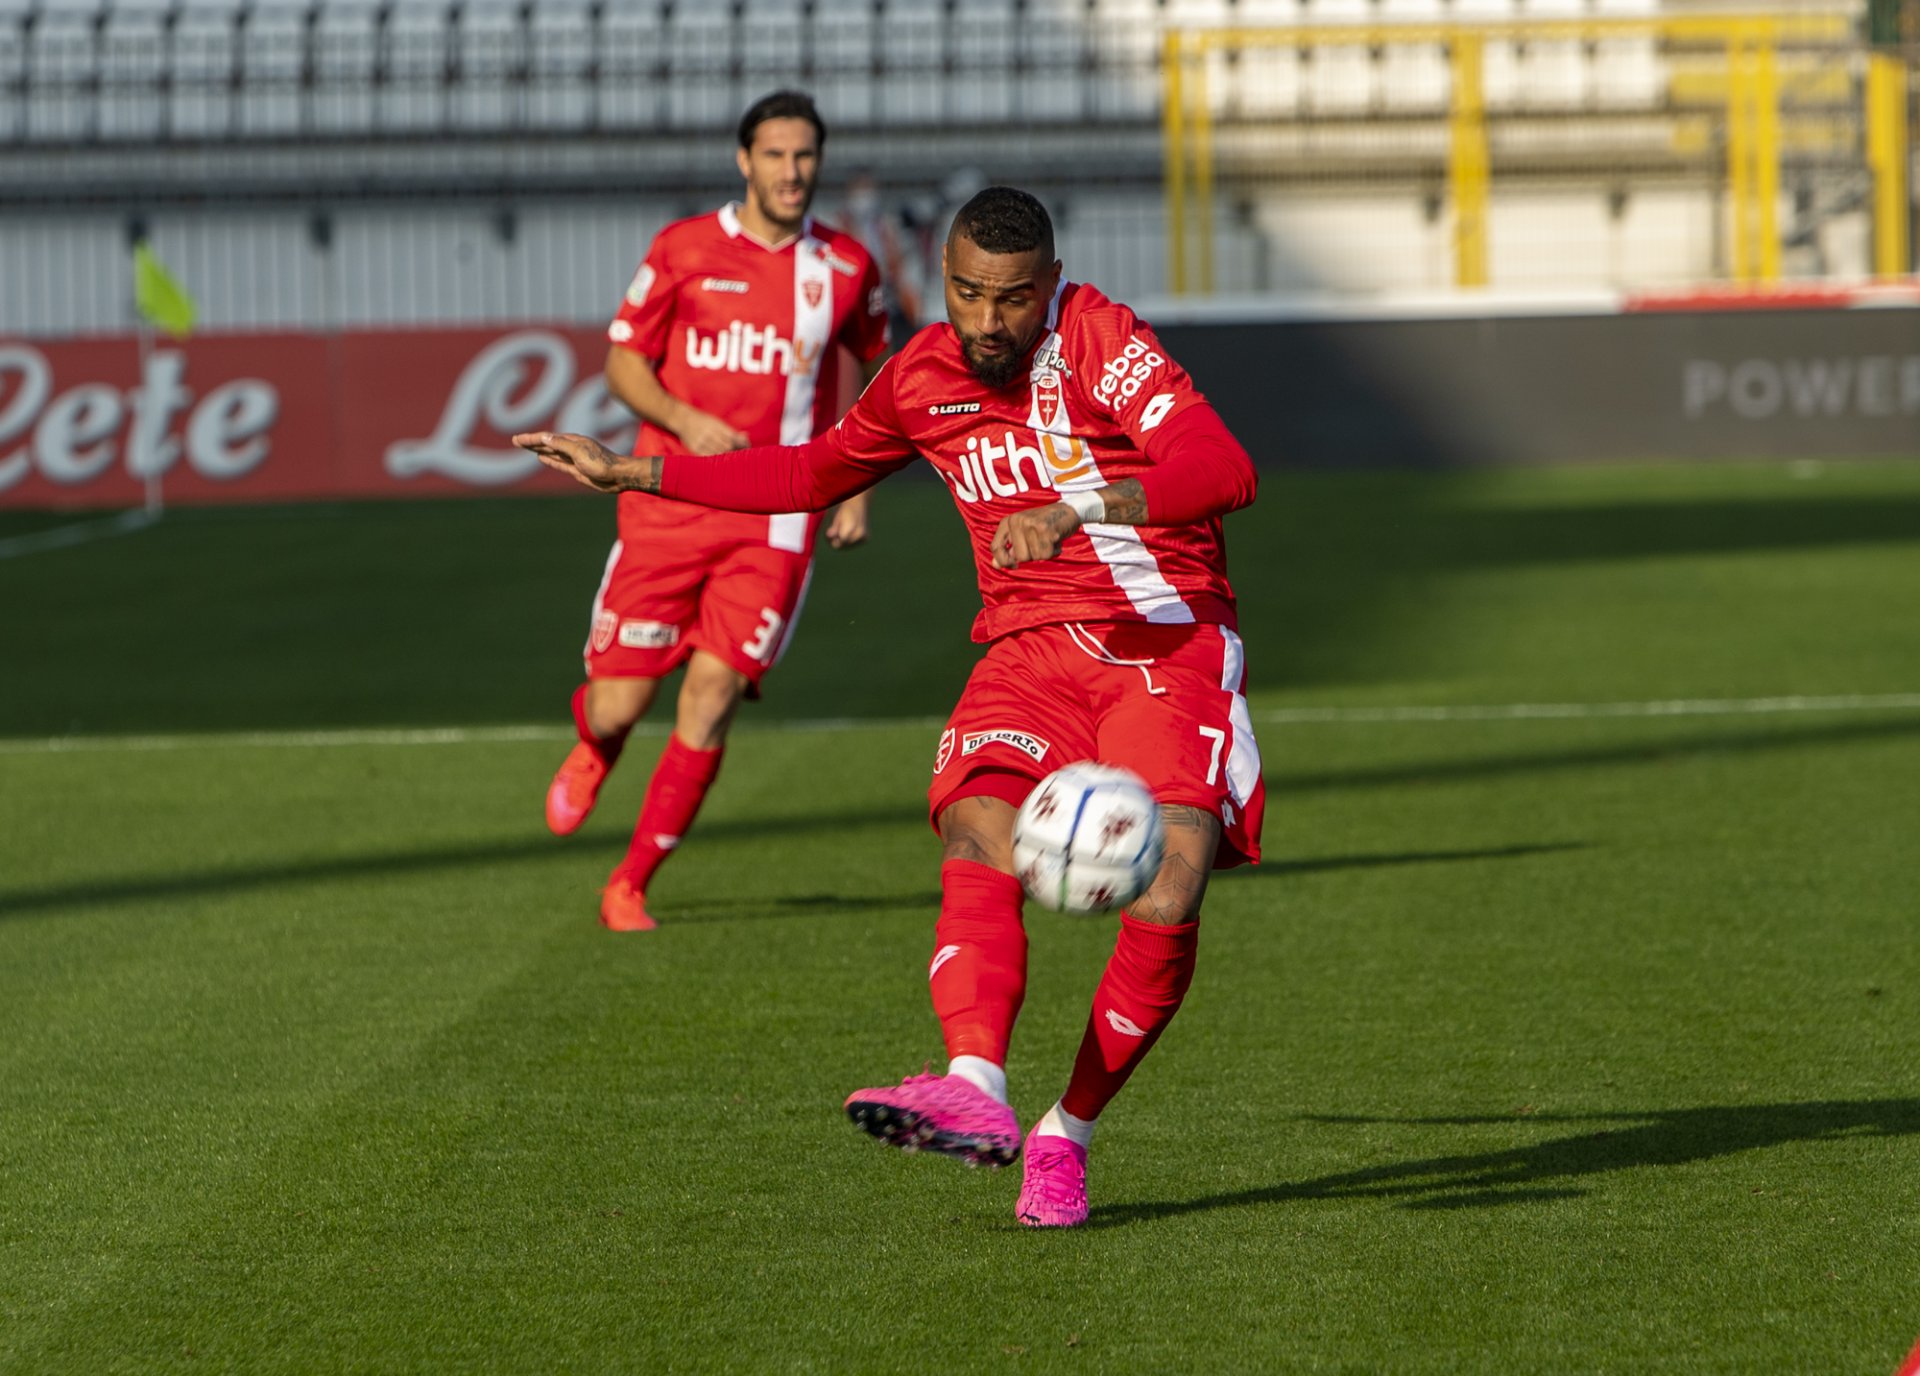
(1059, 1123)
(981, 1073)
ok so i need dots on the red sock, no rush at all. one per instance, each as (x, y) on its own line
(608, 748)
(978, 976)
(1145, 979)
(674, 794)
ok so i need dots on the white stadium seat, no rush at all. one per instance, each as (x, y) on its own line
(912, 88)
(272, 40)
(982, 43)
(346, 44)
(490, 48)
(62, 58)
(634, 88)
(844, 46)
(560, 54)
(701, 91)
(772, 43)
(418, 40)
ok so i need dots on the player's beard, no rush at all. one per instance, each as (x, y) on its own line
(776, 213)
(997, 370)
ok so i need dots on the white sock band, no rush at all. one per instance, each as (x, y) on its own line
(982, 1074)
(1059, 1123)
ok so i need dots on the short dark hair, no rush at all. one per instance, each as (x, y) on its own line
(1005, 219)
(781, 105)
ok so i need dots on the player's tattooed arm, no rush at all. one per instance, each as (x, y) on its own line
(1038, 532)
(591, 463)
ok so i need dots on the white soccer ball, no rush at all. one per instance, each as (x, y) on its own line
(1088, 838)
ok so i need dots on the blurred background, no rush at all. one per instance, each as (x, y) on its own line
(1387, 231)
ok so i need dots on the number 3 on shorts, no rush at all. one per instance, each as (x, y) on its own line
(1219, 739)
(767, 639)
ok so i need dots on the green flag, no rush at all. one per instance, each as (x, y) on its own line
(161, 301)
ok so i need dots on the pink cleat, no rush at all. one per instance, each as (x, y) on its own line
(942, 1113)
(575, 789)
(1053, 1184)
(623, 908)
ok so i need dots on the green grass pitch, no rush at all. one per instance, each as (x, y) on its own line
(1585, 1044)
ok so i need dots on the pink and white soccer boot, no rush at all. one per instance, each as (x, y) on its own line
(1053, 1184)
(942, 1113)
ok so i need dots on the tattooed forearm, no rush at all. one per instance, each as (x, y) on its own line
(641, 474)
(1126, 503)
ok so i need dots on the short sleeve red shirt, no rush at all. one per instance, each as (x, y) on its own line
(1099, 384)
(747, 332)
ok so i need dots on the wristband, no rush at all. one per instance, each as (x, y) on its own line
(1088, 506)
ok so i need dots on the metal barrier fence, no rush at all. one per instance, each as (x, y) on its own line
(1752, 116)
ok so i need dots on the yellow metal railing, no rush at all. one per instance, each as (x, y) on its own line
(1754, 138)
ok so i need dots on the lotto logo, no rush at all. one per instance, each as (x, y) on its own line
(744, 348)
(1122, 378)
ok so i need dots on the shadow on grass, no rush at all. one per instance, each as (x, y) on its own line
(1662, 751)
(1552, 1169)
(206, 884)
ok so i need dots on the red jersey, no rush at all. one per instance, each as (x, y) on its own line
(1086, 414)
(747, 332)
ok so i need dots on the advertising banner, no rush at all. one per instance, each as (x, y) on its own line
(283, 417)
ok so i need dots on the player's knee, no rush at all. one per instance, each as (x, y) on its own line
(708, 700)
(1174, 897)
(980, 830)
(615, 704)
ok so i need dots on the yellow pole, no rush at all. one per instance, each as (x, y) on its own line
(1172, 118)
(1469, 166)
(1739, 159)
(1766, 159)
(1203, 170)
(1887, 161)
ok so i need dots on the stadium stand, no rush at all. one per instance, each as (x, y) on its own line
(302, 132)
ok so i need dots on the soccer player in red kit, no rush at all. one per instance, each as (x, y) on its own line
(729, 336)
(1092, 478)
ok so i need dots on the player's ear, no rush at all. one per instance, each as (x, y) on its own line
(743, 162)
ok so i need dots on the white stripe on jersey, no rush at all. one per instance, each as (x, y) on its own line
(812, 334)
(1135, 571)
(1243, 757)
(600, 595)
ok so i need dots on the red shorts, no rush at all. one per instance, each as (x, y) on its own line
(689, 579)
(1175, 714)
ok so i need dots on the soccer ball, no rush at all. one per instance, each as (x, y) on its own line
(1088, 838)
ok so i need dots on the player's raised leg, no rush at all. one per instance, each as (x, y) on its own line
(1142, 988)
(604, 712)
(709, 697)
(978, 979)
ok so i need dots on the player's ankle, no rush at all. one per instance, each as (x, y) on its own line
(1057, 1122)
(982, 1074)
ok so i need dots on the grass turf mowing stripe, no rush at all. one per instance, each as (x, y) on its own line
(1278, 716)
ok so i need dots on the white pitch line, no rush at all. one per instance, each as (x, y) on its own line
(1279, 716)
(78, 533)
(1540, 711)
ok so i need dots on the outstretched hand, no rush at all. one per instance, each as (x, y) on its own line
(582, 458)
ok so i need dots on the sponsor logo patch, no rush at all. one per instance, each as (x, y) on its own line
(1051, 360)
(648, 635)
(723, 284)
(944, 751)
(956, 408)
(877, 301)
(1122, 378)
(620, 332)
(837, 263)
(641, 284)
(1019, 740)
(605, 623)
